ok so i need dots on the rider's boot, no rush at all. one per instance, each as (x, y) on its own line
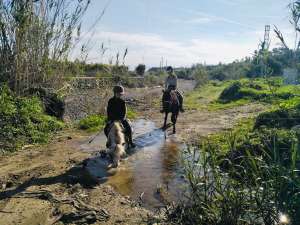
(107, 144)
(131, 143)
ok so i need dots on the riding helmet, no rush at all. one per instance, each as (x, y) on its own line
(118, 89)
(169, 69)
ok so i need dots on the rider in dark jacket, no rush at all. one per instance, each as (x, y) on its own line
(116, 111)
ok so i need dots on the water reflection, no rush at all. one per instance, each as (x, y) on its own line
(154, 164)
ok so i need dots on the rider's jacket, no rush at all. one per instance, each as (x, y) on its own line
(116, 109)
(171, 80)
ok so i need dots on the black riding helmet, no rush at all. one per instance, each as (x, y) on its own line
(118, 89)
(169, 69)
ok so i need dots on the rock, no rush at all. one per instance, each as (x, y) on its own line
(53, 104)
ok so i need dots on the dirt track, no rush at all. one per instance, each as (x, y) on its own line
(48, 185)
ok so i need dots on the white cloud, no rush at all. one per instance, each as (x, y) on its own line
(235, 2)
(203, 17)
(150, 48)
(200, 20)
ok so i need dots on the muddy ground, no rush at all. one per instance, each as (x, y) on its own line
(49, 184)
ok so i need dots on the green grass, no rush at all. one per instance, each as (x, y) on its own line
(131, 114)
(200, 97)
(206, 97)
(273, 92)
(94, 123)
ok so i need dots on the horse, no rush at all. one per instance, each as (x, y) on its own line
(117, 143)
(172, 105)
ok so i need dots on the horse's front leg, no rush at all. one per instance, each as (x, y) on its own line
(165, 122)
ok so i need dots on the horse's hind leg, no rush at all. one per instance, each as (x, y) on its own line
(174, 120)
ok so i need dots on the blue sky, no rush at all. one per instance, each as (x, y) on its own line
(183, 32)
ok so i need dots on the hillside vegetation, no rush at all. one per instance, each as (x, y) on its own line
(221, 95)
(248, 175)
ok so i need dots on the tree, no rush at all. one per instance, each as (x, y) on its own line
(140, 69)
(294, 8)
(200, 75)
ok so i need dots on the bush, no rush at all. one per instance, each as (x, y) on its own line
(53, 104)
(92, 123)
(257, 90)
(259, 183)
(201, 76)
(231, 93)
(140, 69)
(22, 121)
(281, 118)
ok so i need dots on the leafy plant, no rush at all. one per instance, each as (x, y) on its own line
(22, 121)
(254, 191)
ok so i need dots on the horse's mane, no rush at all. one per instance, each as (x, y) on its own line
(173, 97)
(118, 132)
(117, 140)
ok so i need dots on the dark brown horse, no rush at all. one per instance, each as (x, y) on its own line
(171, 105)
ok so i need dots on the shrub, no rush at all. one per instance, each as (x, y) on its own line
(231, 93)
(22, 121)
(140, 69)
(253, 190)
(257, 90)
(281, 118)
(92, 123)
(201, 76)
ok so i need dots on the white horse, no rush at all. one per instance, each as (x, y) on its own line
(117, 143)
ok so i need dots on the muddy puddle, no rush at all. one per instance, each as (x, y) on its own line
(151, 174)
